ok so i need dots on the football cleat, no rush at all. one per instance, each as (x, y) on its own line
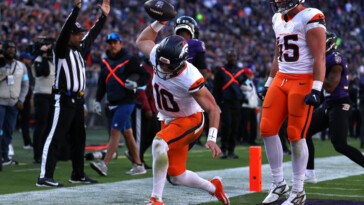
(219, 192)
(276, 191)
(310, 179)
(296, 198)
(153, 201)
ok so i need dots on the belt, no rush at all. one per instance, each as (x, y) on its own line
(69, 93)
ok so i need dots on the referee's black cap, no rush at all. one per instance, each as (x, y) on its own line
(76, 28)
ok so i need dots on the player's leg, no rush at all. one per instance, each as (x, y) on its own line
(319, 121)
(339, 115)
(299, 117)
(273, 114)
(175, 137)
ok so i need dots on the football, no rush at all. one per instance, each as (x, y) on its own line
(160, 10)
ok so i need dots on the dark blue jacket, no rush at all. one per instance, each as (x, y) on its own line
(227, 84)
(113, 84)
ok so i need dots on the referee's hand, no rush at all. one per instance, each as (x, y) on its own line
(77, 3)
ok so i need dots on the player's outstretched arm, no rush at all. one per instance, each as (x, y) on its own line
(207, 102)
(145, 41)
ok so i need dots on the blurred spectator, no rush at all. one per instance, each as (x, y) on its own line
(44, 71)
(14, 85)
(118, 79)
(24, 115)
(248, 116)
(229, 97)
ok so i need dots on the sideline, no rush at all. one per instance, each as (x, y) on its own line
(235, 180)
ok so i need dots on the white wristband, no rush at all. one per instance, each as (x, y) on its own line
(212, 134)
(269, 81)
(317, 85)
(156, 26)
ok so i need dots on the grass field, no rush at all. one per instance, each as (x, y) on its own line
(22, 178)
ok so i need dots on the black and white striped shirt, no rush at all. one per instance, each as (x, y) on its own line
(68, 60)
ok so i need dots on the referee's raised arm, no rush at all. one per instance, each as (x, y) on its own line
(95, 30)
(65, 35)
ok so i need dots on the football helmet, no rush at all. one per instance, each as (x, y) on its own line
(284, 6)
(171, 53)
(330, 41)
(188, 23)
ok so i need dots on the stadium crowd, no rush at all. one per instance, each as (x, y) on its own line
(242, 25)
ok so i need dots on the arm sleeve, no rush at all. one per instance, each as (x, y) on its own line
(92, 35)
(24, 85)
(135, 67)
(64, 36)
(199, 61)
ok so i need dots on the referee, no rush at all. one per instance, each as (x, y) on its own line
(68, 114)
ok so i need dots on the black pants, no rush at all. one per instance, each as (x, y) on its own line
(354, 119)
(230, 123)
(24, 116)
(42, 105)
(144, 130)
(67, 122)
(361, 108)
(334, 116)
(248, 115)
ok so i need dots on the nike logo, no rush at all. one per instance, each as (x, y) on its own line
(315, 97)
(302, 83)
(52, 183)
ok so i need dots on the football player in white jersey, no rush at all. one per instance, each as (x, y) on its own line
(295, 84)
(180, 97)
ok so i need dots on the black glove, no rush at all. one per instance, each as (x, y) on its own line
(313, 98)
(262, 93)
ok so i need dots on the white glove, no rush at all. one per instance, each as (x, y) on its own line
(131, 85)
(97, 108)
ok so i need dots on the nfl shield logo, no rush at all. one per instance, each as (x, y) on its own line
(159, 4)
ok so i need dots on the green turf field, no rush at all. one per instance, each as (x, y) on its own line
(22, 178)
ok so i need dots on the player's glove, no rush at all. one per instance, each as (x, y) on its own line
(97, 108)
(262, 93)
(130, 85)
(313, 98)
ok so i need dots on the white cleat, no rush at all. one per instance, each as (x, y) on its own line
(296, 198)
(310, 179)
(276, 191)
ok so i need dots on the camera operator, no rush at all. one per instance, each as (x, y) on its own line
(14, 85)
(44, 71)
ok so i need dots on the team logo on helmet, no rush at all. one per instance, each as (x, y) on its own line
(184, 50)
(164, 60)
(159, 4)
(78, 25)
(338, 59)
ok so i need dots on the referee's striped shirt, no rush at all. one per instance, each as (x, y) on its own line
(69, 60)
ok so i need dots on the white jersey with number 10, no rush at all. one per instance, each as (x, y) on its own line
(172, 96)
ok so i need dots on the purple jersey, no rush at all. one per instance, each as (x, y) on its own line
(341, 90)
(194, 47)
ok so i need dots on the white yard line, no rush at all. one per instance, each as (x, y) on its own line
(236, 182)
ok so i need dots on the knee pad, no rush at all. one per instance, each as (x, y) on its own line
(266, 128)
(293, 133)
